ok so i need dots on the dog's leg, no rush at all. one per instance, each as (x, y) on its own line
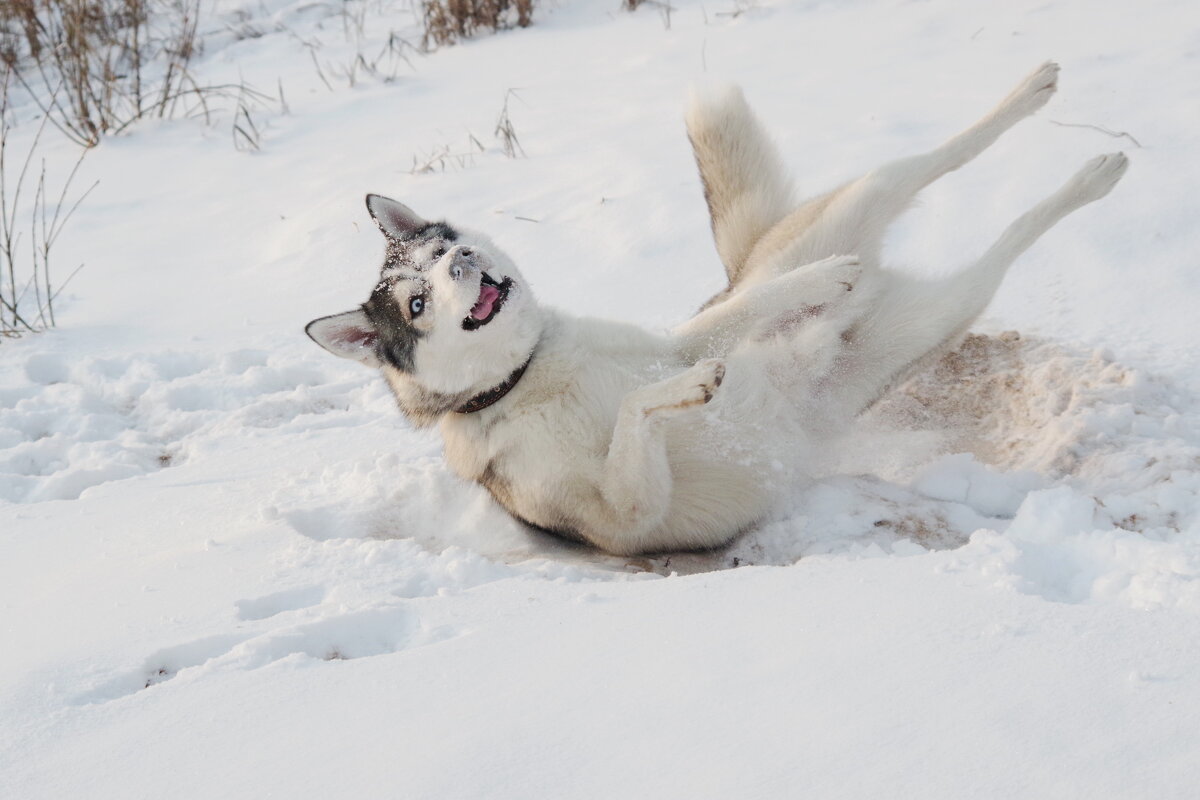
(968, 293)
(637, 483)
(794, 296)
(896, 183)
(854, 218)
(915, 319)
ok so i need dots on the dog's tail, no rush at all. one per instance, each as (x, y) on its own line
(745, 184)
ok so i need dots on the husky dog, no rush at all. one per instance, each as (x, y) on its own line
(640, 442)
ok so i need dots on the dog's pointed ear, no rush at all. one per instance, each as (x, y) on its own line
(350, 335)
(395, 219)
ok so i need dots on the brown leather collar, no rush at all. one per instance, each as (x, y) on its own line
(481, 401)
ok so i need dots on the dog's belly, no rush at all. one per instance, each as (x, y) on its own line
(718, 489)
(710, 505)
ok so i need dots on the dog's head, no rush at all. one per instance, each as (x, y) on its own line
(450, 317)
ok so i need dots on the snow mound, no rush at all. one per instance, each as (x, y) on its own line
(993, 434)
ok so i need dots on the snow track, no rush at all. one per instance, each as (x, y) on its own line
(72, 424)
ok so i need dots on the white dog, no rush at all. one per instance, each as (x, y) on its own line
(639, 442)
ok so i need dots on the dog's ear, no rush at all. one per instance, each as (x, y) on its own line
(394, 219)
(350, 335)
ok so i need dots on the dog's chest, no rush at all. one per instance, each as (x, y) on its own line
(550, 429)
(541, 451)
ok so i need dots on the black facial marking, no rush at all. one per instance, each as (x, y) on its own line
(435, 230)
(397, 336)
(427, 232)
(397, 254)
(399, 249)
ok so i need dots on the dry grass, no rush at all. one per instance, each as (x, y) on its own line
(28, 232)
(505, 133)
(446, 157)
(448, 21)
(95, 67)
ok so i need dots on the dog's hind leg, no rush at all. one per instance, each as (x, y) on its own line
(853, 219)
(916, 319)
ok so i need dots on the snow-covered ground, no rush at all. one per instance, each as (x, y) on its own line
(228, 568)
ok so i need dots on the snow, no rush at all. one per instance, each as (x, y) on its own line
(228, 568)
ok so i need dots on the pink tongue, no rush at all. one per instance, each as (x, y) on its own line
(487, 299)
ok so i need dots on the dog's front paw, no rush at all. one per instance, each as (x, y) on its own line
(1097, 177)
(695, 387)
(708, 374)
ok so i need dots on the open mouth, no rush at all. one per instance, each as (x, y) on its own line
(491, 299)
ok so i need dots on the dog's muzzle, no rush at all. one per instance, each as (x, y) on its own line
(462, 265)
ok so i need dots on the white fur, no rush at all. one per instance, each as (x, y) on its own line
(745, 183)
(638, 442)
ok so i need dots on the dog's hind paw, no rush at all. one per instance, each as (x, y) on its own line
(1097, 177)
(1034, 92)
(839, 272)
(812, 286)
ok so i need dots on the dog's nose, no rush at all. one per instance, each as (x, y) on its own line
(461, 264)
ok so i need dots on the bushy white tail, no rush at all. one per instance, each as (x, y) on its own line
(745, 183)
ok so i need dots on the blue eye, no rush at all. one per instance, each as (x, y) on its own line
(416, 305)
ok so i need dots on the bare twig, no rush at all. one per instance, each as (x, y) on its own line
(440, 158)
(46, 223)
(505, 131)
(1101, 128)
(58, 291)
(320, 72)
(740, 7)
(243, 123)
